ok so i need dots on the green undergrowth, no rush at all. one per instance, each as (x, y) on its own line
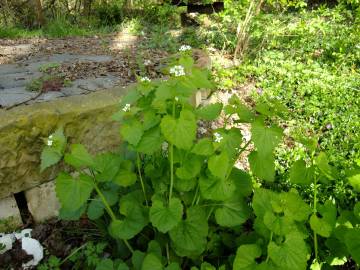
(310, 62)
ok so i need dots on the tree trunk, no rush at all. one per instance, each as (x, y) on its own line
(39, 12)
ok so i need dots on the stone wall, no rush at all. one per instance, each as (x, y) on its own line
(86, 119)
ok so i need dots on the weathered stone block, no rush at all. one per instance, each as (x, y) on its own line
(86, 119)
(42, 202)
(10, 218)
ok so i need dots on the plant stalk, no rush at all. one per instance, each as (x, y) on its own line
(141, 179)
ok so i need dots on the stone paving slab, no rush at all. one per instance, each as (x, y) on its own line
(11, 96)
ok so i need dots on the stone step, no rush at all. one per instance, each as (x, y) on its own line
(15, 95)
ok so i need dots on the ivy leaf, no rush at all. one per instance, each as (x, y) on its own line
(166, 217)
(245, 257)
(189, 236)
(79, 157)
(151, 261)
(265, 138)
(355, 182)
(136, 217)
(300, 174)
(233, 212)
(324, 225)
(182, 131)
(352, 241)
(132, 132)
(151, 141)
(190, 167)
(262, 166)
(292, 254)
(73, 193)
(219, 164)
(209, 112)
(323, 164)
(213, 188)
(204, 147)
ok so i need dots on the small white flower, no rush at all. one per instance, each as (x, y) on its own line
(49, 142)
(145, 79)
(126, 107)
(177, 71)
(164, 146)
(147, 62)
(218, 137)
(176, 99)
(202, 130)
(185, 48)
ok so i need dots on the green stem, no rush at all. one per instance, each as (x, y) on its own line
(108, 209)
(72, 254)
(271, 236)
(315, 211)
(240, 152)
(172, 161)
(141, 179)
(195, 195)
(210, 212)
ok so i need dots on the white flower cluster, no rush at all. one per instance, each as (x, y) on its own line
(185, 48)
(147, 62)
(218, 137)
(29, 245)
(177, 71)
(145, 79)
(202, 130)
(126, 107)
(50, 140)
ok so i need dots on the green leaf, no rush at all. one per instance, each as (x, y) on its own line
(242, 181)
(151, 141)
(300, 174)
(96, 207)
(265, 138)
(261, 201)
(136, 217)
(219, 165)
(357, 211)
(324, 225)
(230, 143)
(166, 217)
(200, 79)
(125, 178)
(151, 261)
(209, 112)
(132, 132)
(245, 114)
(150, 120)
(173, 266)
(190, 167)
(355, 182)
(245, 257)
(137, 259)
(79, 157)
(105, 264)
(207, 266)
(213, 188)
(49, 157)
(262, 166)
(66, 214)
(323, 164)
(204, 147)
(352, 241)
(232, 212)
(293, 206)
(182, 131)
(73, 193)
(107, 166)
(155, 248)
(292, 254)
(189, 236)
(280, 225)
